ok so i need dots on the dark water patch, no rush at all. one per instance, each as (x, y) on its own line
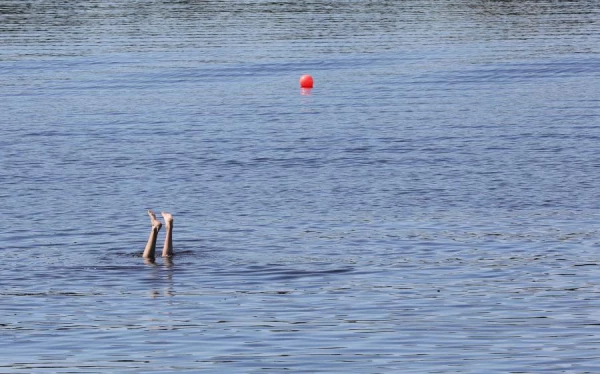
(50, 294)
(272, 273)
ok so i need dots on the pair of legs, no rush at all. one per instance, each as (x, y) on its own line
(156, 225)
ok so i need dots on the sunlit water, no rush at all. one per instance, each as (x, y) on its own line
(431, 206)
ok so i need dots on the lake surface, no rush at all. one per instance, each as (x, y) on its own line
(430, 206)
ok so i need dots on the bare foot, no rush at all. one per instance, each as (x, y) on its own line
(155, 223)
(168, 217)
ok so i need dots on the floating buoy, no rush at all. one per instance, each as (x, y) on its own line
(306, 81)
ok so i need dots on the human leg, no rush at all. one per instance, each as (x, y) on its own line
(168, 247)
(151, 244)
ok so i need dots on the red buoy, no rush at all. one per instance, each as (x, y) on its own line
(306, 81)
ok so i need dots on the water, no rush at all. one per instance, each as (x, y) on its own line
(431, 206)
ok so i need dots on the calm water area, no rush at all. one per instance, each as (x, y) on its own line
(432, 205)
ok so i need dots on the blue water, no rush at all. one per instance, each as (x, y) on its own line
(431, 206)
